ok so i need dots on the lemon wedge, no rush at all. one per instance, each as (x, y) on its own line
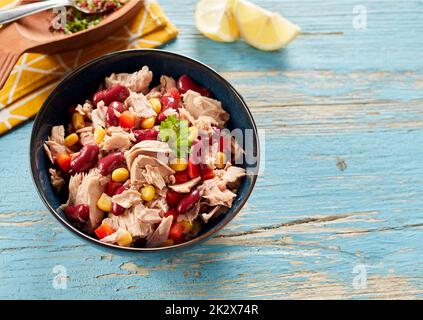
(215, 19)
(263, 29)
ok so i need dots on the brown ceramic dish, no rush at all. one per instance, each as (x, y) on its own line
(33, 34)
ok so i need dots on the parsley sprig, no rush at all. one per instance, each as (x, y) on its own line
(176, 134)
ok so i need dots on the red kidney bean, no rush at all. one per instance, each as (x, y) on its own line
(117, 92)
(145, 134)
(188, 202)
(173, 198)
(185, 83)
(86, 159)
(112, 187)
(181, 177)
(120, 190)
(79, 212)
(111, 162)
(171, 212)
(111, 118)
(117, 209)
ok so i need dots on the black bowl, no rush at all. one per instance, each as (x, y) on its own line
(83, 82)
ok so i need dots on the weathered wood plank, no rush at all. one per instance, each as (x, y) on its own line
(337, 97)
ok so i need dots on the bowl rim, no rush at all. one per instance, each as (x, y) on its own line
(88, 238)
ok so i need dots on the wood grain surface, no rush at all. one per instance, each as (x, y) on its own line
(340, 197)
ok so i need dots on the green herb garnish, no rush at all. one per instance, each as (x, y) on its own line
(175, 133)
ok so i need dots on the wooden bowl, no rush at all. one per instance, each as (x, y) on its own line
(32, 33)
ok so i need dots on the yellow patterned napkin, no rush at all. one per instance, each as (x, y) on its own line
(36, 75)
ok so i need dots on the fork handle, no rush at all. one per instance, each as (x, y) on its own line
(7, 62)
(9, 15)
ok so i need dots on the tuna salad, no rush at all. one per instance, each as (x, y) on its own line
(143, 165)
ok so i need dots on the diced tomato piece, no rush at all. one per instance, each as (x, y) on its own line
(175, 93)
(193, 169)
(127, 120)
(171, 99)
(206, 172)
(111, 188)
(145, 134)
(176, 232)
(173, 198)
(171, 212)
(63, 160)
(104, 230)
(181, 177)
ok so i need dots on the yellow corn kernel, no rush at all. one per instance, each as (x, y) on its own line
(71, 139)
(148, 123)
(148, 192)
(179, 164)
(78, 121)
(120, 175)
(125, 239)
(187, 226)
(220, 160)
(104, 203)
(193, 134)
(168, 243)
(156, 105)
(99, 135)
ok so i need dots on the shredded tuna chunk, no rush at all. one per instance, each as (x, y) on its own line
(89, 191)
(160, 204)
(86, 135)
(58, 134)
(153, 176)
(205, 124)
(114, 237)
(149, 215)
(215, 192)
(85, 109)
(198, 105)
(184, 114)
(118, 141)
(74, 183)
(56, 143)
(127, 199)
(129, 221)
(171, 112)
(139, 104)
(214, 213)
(185, 187)
(161, 234)
(137, 81)
(151, 148)
(232, 176)
(138, 175)
(167, 83)
(98, 115)
(56, 180)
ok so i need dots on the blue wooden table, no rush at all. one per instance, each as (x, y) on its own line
(338, 210)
